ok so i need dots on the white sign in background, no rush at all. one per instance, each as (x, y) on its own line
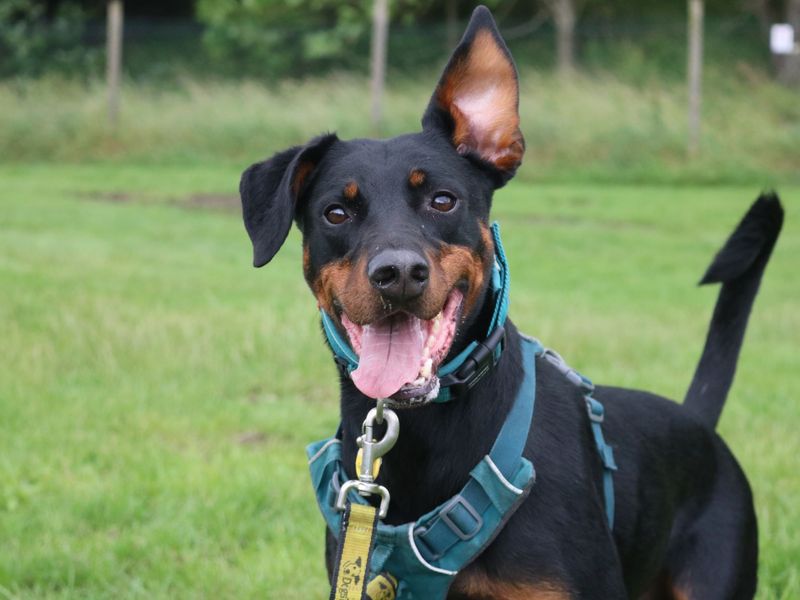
(781, 39)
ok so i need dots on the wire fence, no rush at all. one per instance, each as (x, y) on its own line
(163, 51)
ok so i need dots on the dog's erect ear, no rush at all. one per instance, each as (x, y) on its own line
(477, 100)
(270, 191)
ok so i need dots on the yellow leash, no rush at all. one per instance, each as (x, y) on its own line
(359, 521)
(352, 562)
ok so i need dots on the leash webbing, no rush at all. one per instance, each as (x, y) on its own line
(355, 545)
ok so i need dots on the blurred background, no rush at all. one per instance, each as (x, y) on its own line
(604, 87)
(156, 391)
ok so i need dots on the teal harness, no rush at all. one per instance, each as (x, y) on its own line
(425, 556)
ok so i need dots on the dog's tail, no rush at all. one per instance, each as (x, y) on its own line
(739, 266)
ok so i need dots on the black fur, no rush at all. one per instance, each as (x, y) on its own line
(684, 513)
(739, 267)
(268, 200)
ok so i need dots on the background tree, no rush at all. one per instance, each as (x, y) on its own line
(565, 16)
(789, 65)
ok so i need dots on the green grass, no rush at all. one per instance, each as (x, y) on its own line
(591, 127)
(156, 392)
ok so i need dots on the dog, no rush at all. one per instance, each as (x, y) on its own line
(398, 252)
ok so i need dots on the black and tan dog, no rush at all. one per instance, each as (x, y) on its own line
(398, 253)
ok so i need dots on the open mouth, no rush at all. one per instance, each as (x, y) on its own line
(399, 354)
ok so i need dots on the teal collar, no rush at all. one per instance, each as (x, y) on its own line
(471, 364)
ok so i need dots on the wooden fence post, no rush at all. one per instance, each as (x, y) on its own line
(113, 58)
(695, 75)
(380, 34)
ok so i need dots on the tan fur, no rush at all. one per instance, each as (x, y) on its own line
(456, 263)
(488, 241)
(416, 178)
(485, 75)
(306, 260)
(475, 584)
(347, 283)
(304, 169)
(350, 190)
(664, 588)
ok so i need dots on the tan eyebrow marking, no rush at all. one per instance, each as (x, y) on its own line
(416, 178)
(351, 190)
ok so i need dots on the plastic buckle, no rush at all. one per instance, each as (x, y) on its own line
(575, 378)
(586, 384)
(477, 364)
(444, 515)
(595, 410)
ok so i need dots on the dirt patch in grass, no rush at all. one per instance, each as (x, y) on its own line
(216, 202)
(228, 203)
(251, 438)
(113, 197)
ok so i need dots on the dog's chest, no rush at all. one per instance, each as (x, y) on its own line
(473, 584)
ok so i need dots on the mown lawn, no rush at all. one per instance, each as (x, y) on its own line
(156, 392)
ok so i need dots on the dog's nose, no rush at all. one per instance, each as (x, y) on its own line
(399, 275)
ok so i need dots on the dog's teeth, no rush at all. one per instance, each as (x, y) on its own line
(429, 343)
(426, 369)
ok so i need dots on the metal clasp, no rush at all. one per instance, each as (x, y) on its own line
(372, 450)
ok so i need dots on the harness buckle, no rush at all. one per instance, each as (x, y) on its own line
(449, 509)
(575, 378)
(595, 410)
(433, 549)
(477, 364)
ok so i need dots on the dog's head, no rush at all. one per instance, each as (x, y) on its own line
(396, 244)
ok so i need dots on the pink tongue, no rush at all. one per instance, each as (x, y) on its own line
(391, 355)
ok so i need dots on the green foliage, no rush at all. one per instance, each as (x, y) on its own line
(30, 45)
(156, 391)
(270, 38)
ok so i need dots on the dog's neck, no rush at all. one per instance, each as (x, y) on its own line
(439, 443)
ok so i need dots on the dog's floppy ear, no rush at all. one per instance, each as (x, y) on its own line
(270, 191)
(477, 100)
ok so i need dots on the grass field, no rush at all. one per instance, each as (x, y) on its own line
(156, 392)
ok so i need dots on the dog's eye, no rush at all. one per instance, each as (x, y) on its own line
(336, 215)
(443, 202)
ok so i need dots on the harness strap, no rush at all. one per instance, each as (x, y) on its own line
(596, 416)
(460, 518)
(596, 413)
(418, 560)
